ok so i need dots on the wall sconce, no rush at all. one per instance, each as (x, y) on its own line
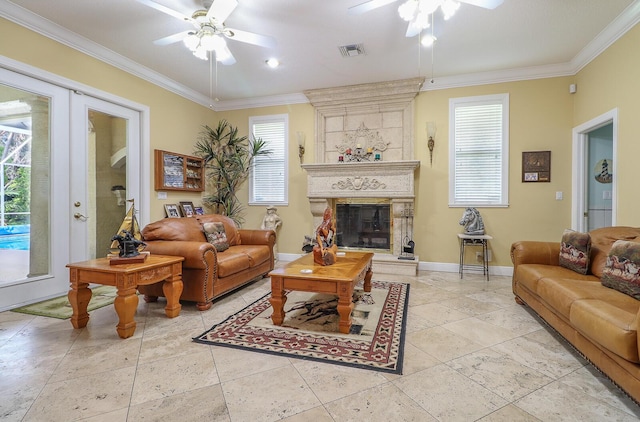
(431, 133)
(301, 141)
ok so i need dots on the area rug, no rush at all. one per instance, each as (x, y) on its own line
(310, 328)
(60, 307)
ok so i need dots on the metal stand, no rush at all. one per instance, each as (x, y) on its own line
(408, 245)
(469, 240)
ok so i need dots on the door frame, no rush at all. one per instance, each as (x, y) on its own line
(580, 171)
(24, 292)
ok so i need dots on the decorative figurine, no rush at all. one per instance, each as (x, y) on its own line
(128, 245)
(272, 221)
(472, 222)
(325, 252)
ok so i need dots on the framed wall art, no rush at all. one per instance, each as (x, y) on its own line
(187, 208)
(172, 211)
(536, 166)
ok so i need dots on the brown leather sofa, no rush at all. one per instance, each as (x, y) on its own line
(207, 273)
(600, 322)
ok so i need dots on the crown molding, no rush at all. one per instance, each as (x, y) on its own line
(21, 16)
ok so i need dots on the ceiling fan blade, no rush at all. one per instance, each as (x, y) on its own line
(165, 9)
(228, 58)
(412, 29)
(368, 5)
(487, 4)
(221, 9)
(251, 38)
(171, 38)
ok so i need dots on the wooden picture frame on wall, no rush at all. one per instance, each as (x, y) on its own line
(536, 166)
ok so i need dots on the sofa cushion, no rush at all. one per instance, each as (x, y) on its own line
(575, 249)
(230, 228)
(529, 275)
(257, 254)
(560, 293)
(622, 270)
(601, 241)
(232, 261)
(610, 321)
(185, 228)
(216, 235)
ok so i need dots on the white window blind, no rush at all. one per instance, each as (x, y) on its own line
(268, 183)
(479, 151)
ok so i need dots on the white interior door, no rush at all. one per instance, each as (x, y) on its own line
(105, 142)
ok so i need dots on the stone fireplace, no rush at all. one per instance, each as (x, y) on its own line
(364, 154)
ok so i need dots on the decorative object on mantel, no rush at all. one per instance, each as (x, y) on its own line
(431, 143)
(408, 245)
(325, 252)
(361, 145)
(472, 222)
(228, 158)
(301, 142)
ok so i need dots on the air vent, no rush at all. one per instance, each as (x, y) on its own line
(352, 50)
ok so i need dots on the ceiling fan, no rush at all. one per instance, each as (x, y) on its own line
(210, 32)
(419, 12)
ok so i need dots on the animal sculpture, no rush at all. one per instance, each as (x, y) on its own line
(472, 222)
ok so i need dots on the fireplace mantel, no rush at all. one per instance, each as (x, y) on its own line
(375, 179)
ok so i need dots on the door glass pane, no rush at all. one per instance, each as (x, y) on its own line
(107, 206)
(24, 184)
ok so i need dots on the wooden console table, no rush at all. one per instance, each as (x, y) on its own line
(126, 277)
(338, 279)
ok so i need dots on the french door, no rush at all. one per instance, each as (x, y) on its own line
(103, 174)
(73, 160)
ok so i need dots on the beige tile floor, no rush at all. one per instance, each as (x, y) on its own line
(471, 354)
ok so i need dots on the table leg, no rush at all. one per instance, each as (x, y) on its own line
(367, 280)
(126, 304)
(278, 299)
(79, 297)
(345, 306)
(172, 289)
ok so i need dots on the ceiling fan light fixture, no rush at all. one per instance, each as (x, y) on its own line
(408, 9)
(191, 41)
(201, 53)
(449, 8)
(428, 40)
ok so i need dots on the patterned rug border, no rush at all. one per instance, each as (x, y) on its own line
(393, 367)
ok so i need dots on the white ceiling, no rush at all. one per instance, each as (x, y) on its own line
(518, 40)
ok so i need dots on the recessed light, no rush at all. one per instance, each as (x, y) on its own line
(272, 63)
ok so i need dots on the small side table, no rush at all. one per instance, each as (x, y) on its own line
(471, 240)
(126, 277)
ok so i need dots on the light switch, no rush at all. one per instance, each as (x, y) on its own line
(162, 195)
(606, 194)
(558, 196)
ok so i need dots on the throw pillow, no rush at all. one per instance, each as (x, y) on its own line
(216, 235)
(622, 270)
(575, 249)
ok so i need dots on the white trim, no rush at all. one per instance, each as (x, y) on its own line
(578, 176)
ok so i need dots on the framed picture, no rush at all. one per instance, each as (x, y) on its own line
(536, 166)
(198, 210)
(187, 208)
(172, 211)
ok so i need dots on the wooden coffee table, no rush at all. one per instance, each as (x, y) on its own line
(338, 279)
(126, 277)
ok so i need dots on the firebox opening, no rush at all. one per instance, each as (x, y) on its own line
(365, 224)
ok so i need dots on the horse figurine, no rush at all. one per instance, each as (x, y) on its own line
(472, 222)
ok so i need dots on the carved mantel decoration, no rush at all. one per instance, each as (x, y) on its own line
(359, 183)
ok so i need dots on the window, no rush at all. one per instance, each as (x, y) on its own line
(479, 151)
(268, 182)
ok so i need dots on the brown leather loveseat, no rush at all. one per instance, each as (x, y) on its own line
(600, 322)
(207, 273)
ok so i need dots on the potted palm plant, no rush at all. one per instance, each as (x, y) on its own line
(228, 158)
